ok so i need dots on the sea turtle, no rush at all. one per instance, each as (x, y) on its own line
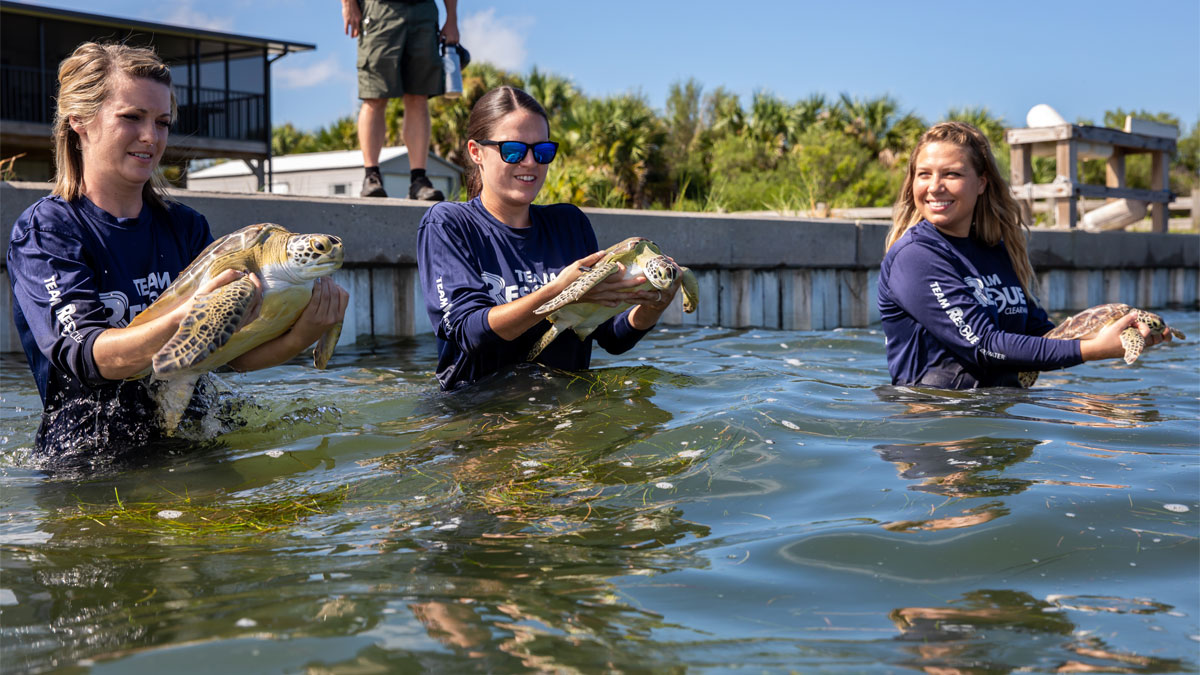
(1089, 322)
(640, 257)
(212, 333)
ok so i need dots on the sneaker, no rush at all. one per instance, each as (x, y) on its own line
(373, 186)
(422, 189)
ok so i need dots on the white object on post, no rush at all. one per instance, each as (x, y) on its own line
(1113, 216)
(1042, 115)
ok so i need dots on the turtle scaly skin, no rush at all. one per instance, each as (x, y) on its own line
(640, 257)
(1089, 322)
(213, 334)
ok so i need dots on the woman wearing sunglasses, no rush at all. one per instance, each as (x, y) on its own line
(486, 264)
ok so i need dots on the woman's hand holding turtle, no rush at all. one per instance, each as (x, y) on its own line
(651, 303)
(326, 308)
(1107, 343)
(609, 292)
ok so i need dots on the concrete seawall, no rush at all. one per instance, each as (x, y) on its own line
(783, 273)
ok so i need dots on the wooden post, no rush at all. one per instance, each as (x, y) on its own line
(1114, 171)
(1021, 172)
(1196, 209)
(1160, 168)
(1066, 165)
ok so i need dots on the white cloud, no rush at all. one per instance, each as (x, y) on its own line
(320, 73)
(500, 43)
(185, 14)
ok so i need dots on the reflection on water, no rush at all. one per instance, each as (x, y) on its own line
(712, 501)
(967, 636)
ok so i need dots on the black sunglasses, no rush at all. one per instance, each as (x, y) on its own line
(512, 152)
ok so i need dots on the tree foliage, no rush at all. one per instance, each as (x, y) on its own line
(707, 150)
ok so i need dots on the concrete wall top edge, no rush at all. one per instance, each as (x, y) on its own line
(383, 232)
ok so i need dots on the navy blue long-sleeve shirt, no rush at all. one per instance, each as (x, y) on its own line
(76, 271)
(470, 262)
(956, 316)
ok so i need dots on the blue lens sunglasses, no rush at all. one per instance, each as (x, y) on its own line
(512, 152)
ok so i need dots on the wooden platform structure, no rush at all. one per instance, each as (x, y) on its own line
(1070, 143)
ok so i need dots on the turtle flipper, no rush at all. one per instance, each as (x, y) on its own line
(324, 349)
(213, 319)
(1133, 342)
(578, 288)
(1028, 378)
(1178, 334)
(173, 397)
(544, 342)
(691, 290)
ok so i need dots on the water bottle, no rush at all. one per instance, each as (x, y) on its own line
(453, 70)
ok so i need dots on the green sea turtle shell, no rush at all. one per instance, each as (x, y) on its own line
(640, 256)
(212, 334)
(1092, 320)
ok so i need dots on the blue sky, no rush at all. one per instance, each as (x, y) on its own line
(1080, 57)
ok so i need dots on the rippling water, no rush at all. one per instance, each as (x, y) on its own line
(713, 501)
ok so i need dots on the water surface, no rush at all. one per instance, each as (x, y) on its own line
(712, 501)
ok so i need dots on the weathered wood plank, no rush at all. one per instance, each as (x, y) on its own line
(1114, 137)
(1160, 168)
(1066, 211)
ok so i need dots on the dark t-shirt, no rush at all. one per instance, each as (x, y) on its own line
(76, 271)
(956, 316)
(470, 262)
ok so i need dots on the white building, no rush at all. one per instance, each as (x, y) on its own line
(326, 174)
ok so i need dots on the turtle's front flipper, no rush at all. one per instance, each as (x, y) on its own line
(1178, 333)
(544, 342)
(1133, 342)
(691, 290)
(213, 319)
(578, 288)
(1028, 378)
(324, 349)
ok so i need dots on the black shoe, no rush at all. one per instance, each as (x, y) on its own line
(373, 186)
(422, 189)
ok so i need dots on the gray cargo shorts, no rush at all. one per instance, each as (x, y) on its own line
(398, 50)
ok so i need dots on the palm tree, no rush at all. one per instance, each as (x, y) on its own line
(982, 119)
(623, 137)
(286, 139)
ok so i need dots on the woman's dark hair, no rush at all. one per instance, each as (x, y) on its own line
(486, 114)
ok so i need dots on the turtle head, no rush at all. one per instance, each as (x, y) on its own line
(314, 255)
(660, 272)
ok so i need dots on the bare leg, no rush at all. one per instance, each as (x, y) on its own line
(371, 131)
(416, 129)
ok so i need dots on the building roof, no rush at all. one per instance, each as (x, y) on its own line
(310, 161)
(273, 46)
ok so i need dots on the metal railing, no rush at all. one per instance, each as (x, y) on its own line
(26, 95)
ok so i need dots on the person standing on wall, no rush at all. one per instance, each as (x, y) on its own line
(398, 58)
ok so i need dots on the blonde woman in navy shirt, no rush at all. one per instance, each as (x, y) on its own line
(86, 259)
(957, 295)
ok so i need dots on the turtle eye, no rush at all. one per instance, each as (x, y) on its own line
(319, 245)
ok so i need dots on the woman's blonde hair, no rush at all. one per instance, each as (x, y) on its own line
(84, 81)
(997, 216)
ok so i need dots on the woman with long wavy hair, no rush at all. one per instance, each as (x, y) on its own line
(957, 294)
